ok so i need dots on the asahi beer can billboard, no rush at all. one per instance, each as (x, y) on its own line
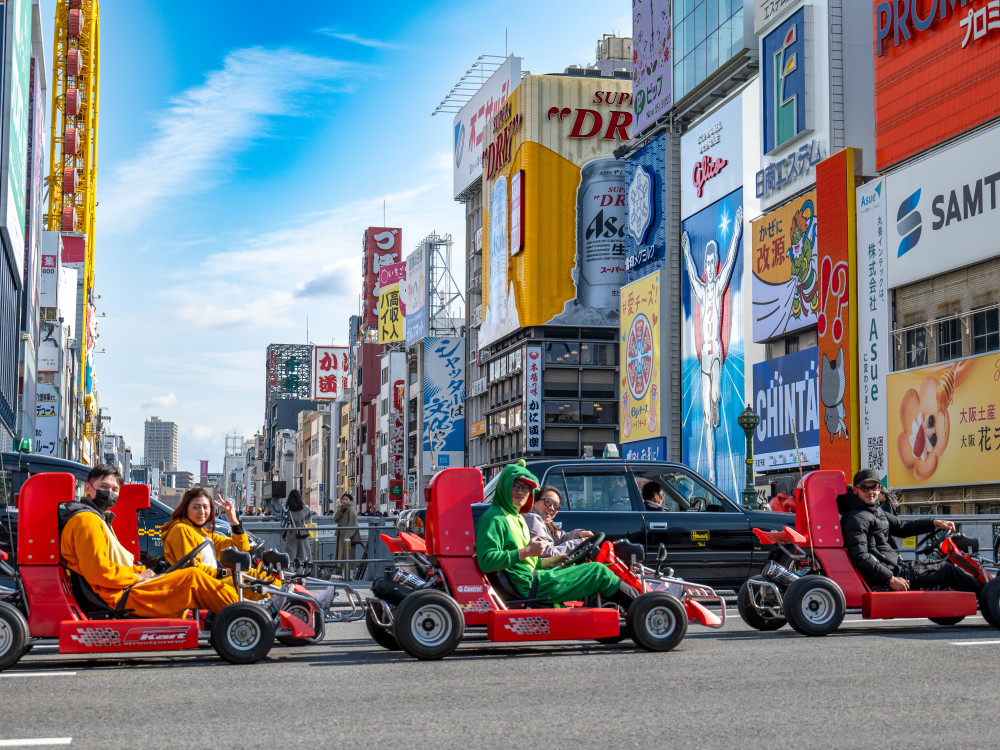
(560, 132)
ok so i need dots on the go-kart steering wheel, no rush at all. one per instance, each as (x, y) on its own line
(584, 549)
(189, 558)
(932, 542)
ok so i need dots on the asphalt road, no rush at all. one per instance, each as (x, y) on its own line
(870, 685)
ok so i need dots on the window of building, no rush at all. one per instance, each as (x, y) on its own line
(561, 441)
(986, 331)
(596, 412)
(916, 347)
(598, 354)
(598, 384)
(562, 412)
(561, 383)
(562, 353)
(707, 33)
(949, 339)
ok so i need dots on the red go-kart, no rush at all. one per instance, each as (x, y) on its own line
(809, 580)
(44, 607)
(427, 606)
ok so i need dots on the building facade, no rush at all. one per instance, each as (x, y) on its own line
(160, 444)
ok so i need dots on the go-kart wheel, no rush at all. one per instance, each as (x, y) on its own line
(13, 635)
(584, 549)
(243, 633)
(814, 605)
(989, 602)
(656, 621)
(946, 621)
(750, 615)
(380, 635)
(188, 559)
(303, 611)
(428, 624)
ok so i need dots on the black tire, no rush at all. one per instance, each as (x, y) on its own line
(13, 635)
(750, 615)
(243, 633)
(302, 610)
(989, 602)
(380, 635)
(814, 605)
(428, 624)
(946, 621)
(657, 621)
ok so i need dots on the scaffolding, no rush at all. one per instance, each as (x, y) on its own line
(445, 303)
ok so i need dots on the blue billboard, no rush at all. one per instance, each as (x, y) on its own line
(644, 209)
(651, 449)
(444, 403)
(786, 398)
(712, 347)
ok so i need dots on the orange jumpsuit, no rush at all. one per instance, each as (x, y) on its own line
(83, 546)
(180, 537)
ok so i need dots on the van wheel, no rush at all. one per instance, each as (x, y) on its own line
(13, 635)
(243, 633)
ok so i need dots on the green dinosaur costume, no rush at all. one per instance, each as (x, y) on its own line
(501, 532)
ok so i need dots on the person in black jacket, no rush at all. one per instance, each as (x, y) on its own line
(867, 528)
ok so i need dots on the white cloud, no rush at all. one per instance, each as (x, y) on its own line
(160, 402)
(355, 39)
(208, 124)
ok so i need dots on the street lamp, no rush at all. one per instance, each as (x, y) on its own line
(749, 421)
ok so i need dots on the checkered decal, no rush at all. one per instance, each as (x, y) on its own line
(97, 637)
(528, 626)
(477, 605)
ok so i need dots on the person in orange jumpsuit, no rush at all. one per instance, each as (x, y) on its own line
(88, 546)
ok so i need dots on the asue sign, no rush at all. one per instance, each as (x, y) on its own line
(942, 211)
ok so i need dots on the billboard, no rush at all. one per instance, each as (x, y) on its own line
(795, 103)
(934, 73)
(712, 157)
(944, 424)
(712, 346)
(786, 398)
(838, 367)
(47, 420)
(33, 207)
(16, 99)
(942, 211)
(49, 345)
(873, 325)
(652, 67)
(415, 294)
(653, 449)
(785, 273)
(639, 343)
(382, 246)
(391, 324)
(471, 122)
(331, 370)
(561, 131)
(533, 398)
(444, 402)
(645, 208)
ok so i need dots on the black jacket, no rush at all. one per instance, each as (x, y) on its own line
(866, 536)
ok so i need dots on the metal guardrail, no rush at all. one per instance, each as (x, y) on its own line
(369, 556)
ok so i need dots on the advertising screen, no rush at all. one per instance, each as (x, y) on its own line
(944, 424)
(382, 246)
(785, 274)
(838, 368)
(652, 69)
(873, 325)
(935, 73)
(561, 131)
(444, 402)
(640, 347)
(712, 347)
(786, 398)
(415, 295)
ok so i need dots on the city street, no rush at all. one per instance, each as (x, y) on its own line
(872, 685)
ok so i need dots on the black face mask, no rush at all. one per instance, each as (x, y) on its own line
(105, 499)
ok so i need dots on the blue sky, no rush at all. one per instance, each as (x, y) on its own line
(243, 149)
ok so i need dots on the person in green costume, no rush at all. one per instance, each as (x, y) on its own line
(503, 543)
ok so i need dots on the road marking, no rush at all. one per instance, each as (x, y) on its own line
(38, 674)
(36, 742)
(975, 643)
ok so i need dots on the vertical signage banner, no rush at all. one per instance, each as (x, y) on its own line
(783, 261)
(13, 174)
(415, 295)
(533, 399)
(382, 247)
(786, 399)
(640, 361)
(47, 420)
(645, 211)
(391, 325)
(712, 347)
(331, 369)
(49, 345)
(838, 369)
(652, 72)
(873, 326)
(444, 402)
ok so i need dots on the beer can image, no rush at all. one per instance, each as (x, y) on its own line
(600, 234)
